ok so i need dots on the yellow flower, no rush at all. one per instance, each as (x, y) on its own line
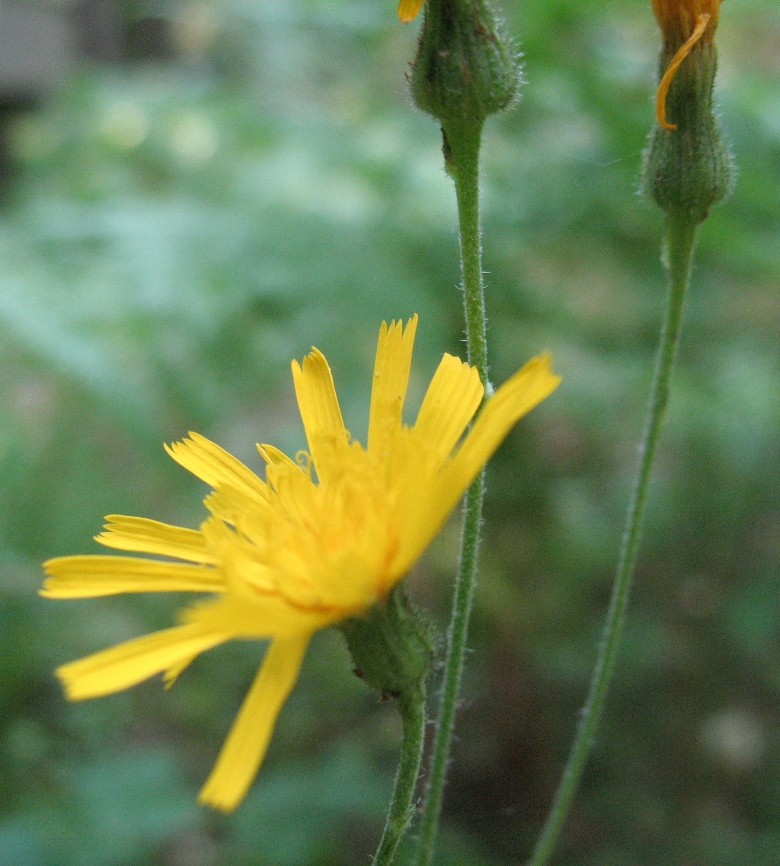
(409, 9)
(320, 540)
(684, 24)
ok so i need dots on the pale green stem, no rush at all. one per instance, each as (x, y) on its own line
(412, 709)
(680, 240)
(463, 148)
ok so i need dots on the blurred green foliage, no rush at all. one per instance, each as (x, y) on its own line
(178, 229)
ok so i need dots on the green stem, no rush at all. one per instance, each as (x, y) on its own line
(462, 151)
(463, 148)
(680, 240)
(412, 709)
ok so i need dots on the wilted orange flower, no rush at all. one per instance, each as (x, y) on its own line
(684, 23)
(680, 18)
(409, 9)
(318, 541)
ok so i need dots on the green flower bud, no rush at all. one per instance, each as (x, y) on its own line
(465, 68)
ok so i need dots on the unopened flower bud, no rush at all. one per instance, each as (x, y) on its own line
(465, 68)
(688, 166)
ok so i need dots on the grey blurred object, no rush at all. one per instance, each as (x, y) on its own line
(42, 41)
(37, 45)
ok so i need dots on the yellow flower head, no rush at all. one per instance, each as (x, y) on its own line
(318, 541)
(684, 24)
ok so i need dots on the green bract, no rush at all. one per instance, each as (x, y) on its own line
(465, 68)
(688, 166)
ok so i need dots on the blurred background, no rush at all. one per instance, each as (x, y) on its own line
(193, 194)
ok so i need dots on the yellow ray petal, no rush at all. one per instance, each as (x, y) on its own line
(452, 399)
(249, 613)
(516, 397)
(215, 466)
(174, 672)
(319, 407)
(231, 507)
(409, 9)
(142, 535)
(273, 456)
(246, 745)
(122, 666)
(432, 498)
(391, 379)
(92, 576)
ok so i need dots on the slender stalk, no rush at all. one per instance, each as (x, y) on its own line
(463, 163)
(412, 709)
(464, 150)
(680, 241)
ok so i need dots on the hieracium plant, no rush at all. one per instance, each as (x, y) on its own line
(326, 539)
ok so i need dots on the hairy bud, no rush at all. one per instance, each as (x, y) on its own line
(688, 166)
(465, 68)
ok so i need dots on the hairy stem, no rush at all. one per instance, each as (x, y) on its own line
(462, 153)
(412, 709)
(680, 240)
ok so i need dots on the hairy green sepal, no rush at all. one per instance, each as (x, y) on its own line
(465, 68)
(391, 647)
(689, 169)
